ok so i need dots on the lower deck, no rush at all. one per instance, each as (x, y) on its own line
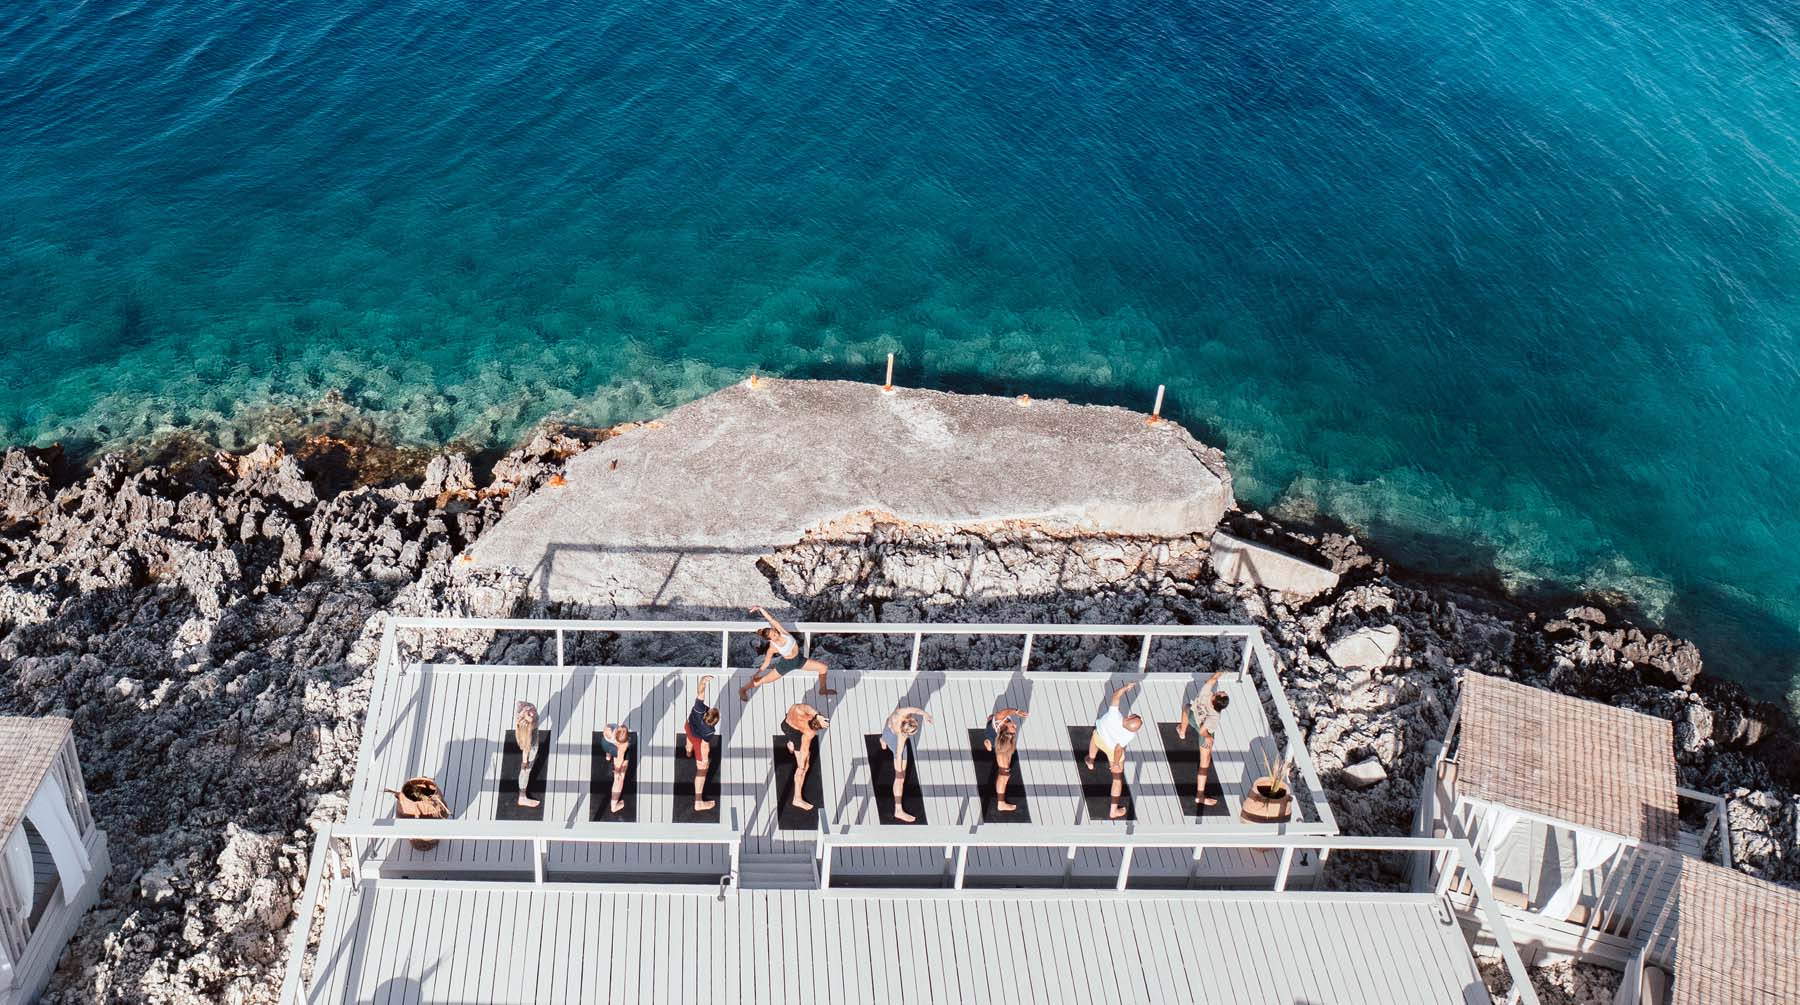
(406, 943)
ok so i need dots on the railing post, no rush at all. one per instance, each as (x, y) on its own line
(559, 648)
(733, 850)
(1144, 654)
(918, 637)
(539, 849)
(725, 649)
(1124, 868)
(806, 644)
(1249, 653)
(1281, 872)
(824, 865)
(1025, 657)
(962, 863)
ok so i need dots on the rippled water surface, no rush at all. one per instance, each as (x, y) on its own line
(1513, 285)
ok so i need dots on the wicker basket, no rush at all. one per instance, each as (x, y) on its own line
(420, 799)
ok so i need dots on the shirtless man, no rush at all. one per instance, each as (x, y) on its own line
(1003, 739)
(1113, 732)
(800, 725)
(896, 738)
(702, 729)
(525, 717)
(1204, 710)
(615, 742)
(780, 658)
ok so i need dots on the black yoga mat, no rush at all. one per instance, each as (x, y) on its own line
(510, 756)
(881, 777)
(1096, 784)
(684, 783)
(1184, 762)
(600, 787)
(985, 770)
(786, 816)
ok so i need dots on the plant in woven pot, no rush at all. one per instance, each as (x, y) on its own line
(420, 799)
(1271, 796)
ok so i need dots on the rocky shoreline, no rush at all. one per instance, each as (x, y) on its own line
(210, 626)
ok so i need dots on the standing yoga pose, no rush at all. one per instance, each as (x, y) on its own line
(800, 725)
(1003, 739)
(702, 729)
(1204, 710)
(897, 738)
(525, 717)
(615, 741)
(1112, 733)
(780, 658)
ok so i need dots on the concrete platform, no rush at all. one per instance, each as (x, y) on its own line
(675, 513)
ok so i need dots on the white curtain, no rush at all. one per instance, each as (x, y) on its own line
(1592, 851)
(18, 865)
(1496, 823)
(48, 811)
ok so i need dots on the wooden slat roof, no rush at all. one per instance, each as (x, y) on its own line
(27, 749)
(1737, 939)
(1592, 765)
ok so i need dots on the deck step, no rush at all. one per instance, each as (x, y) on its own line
(777, 872)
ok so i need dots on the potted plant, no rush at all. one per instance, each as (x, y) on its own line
(420, 799)
(1271, 796)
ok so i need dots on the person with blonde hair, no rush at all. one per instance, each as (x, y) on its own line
(1113, 732)
(781, 656)
(897, 739)
(800, 725)
(615, 743)
(525, 718)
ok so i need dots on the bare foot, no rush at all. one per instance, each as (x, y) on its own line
(801, 804)
(529, 803)
(1208, 801)
(702, 807)
(903, 816)
(618, 806)
(1006, 807)
(1117, 812)
(988, 745)
(1090, 764)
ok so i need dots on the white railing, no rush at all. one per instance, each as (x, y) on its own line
(1718, 821)
(329, 863)
(957, 841)
(1255, 652)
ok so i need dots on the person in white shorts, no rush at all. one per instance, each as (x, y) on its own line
(1113, 732)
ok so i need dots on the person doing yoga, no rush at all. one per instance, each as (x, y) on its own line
(615, 743)
(1204, 710)
(800, 725)
(1113, 732)
(780, 657)
(702, 729)
(897, 737)
(525, 717)
(1003, 739)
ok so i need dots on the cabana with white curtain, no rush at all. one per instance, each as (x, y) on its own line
(1572, 807)
(52, 855)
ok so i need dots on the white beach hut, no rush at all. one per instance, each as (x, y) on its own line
(1573, 808)
(1728, 939)
(54, 857)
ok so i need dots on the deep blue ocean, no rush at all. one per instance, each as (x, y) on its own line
(1510, 286)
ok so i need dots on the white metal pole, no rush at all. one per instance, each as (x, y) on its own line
(559, 647)
(1281, 872)
(918, 637)
(1025, 657)
(1156, 411)
(1124, 868)
(962, 863)
(1144, 654)
(806, 645)
(539, 848)
(725, 650)
(888, 386)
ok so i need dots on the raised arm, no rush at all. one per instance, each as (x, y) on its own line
(1119, 695)
(901, 713)
(770, 618)
(705, 682)
(1010, 713)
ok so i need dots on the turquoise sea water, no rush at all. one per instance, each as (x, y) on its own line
(1513, 286)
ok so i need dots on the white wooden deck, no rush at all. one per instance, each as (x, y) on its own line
(449, 722)
(408, 943)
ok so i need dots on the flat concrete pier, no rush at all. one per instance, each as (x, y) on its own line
(675, 513)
